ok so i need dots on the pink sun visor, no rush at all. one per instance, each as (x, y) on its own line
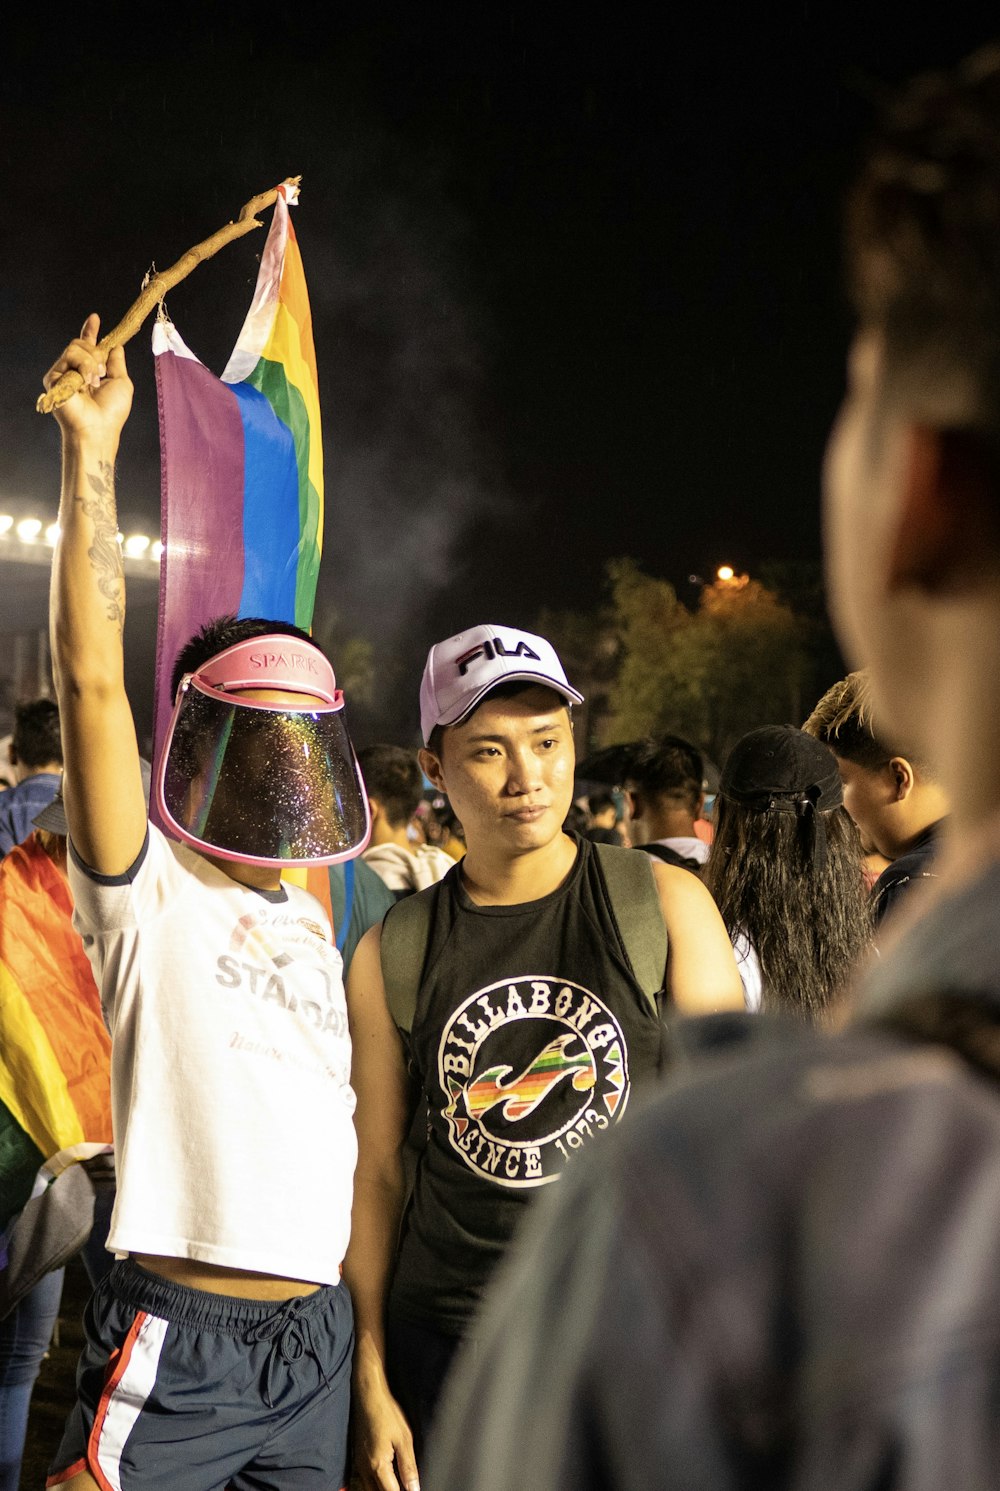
(257, 765)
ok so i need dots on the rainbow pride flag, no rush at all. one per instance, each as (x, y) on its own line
(241, 465)
(55, 1095)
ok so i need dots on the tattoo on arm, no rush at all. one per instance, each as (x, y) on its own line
(104, 554)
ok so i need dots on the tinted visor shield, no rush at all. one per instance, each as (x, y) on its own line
(265, 784)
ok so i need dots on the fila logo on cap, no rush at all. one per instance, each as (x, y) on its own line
(462, 670)
(491, 648)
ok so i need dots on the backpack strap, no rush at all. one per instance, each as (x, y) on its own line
(406, 928)
(635, 909)
(632, 899)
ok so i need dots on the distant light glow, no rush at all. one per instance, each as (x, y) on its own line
(37, 534)
(725, 572)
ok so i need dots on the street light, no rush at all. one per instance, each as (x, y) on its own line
(725, 572)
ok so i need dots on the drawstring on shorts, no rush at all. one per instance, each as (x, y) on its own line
(289, 1328)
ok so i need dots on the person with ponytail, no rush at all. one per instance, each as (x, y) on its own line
(785, 871)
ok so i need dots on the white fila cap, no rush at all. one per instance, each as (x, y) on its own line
(460, 672)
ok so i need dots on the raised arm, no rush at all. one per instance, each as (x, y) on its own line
(702, 976)
(383, 1453)
(105, 807)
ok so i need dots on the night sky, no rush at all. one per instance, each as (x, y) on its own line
(575, 283)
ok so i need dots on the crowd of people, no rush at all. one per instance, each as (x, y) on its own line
(645, 1143)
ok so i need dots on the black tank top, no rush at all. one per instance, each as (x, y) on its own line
(529, 1031)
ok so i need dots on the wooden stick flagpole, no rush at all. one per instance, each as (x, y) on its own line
(157, 287)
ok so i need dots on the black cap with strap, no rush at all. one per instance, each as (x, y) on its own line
(783, 770)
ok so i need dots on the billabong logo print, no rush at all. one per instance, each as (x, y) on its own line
(531, 1068)
(523, 1095)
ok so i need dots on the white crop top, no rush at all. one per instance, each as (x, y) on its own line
(230, 1065)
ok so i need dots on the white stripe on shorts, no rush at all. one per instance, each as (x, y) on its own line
(129, 1394)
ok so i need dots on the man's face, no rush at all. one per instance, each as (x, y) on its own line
(508, 771)
(865, 473)
(869, 796)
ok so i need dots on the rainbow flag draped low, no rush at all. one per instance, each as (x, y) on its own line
(242, 465)
(55, 1099)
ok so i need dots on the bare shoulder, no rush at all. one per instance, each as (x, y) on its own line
(365, 973)
(378, 1068)
(702, 976)
(679, 890)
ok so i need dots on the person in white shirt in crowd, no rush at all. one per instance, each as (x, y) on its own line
(218, 1349)
(395, 786)
(664, 795)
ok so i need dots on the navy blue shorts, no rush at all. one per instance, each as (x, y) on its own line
(180, 1388)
